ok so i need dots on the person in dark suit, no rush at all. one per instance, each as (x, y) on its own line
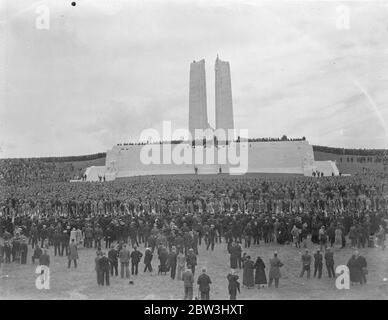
(104, 265)
(204, 285)
(172, 261)
(23, 251)
(233, 285)
(363, 264)
(37, 253)
(306, 264)
(135, 259)
(188, 279)
(147, 260)
(97, 267)
(73, 254)
(44, 259)
(274, 271)
(318, 264)
(114, 262)
(329, 261)
(191, 260)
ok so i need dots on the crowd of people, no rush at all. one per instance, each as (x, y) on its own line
(172, 217)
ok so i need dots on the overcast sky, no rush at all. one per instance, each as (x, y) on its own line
(105, 70)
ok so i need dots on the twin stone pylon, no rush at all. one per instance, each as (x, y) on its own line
(198, 99)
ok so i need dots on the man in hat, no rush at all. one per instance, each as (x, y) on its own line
(204, 285)
(329, 260)
(135, 259)
(114, 262)
(65, 242)
(147, 260)
(37, 253)
(73, 254)
(124, 256)
(318, 263)
(233, 284)
(23, 251)
(44, 259)
(97, 267)
(306, 264)
(172, 262)
(274, 271)
(191, 260)
(188, 279)
(211, 237)
(104, 265)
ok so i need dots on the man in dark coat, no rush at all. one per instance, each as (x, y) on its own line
(113, 255)
(191, 260)
(97, 267)
(37, 253)
(274, 271)
(44, 259)
(172, 261)
(57, 242)
(65, 238)
(234, 255)
(363, 264)
(306, 264)
(147, 260)
(233, 285)
(204, 285)
(329, 260)
(355, 269)
(188, 279)
(135, 259)
(23, 251)
(104, 265)
(318, 264)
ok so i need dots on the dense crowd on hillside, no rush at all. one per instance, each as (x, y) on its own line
(16, 172)
(325, 199)
(172, 217)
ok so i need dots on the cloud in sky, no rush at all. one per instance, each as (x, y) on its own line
(105, 70)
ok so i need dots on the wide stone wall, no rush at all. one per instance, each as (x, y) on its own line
(294, 157)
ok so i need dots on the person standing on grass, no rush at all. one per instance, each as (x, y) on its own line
(104, 265)
(97, 267)
(124, 256)
(318, 264)
(329, 261)
(135, 259)
(23, 251)
(274, 271)
(1, 256)
(181, 262)
(172, 261)
(233, 284)
(73, 254)
(44, 259)
(147, 260)
(204, 285)
(188, 280)
(306, 264)
(114, 262)
(191, 260)
(248, 277)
